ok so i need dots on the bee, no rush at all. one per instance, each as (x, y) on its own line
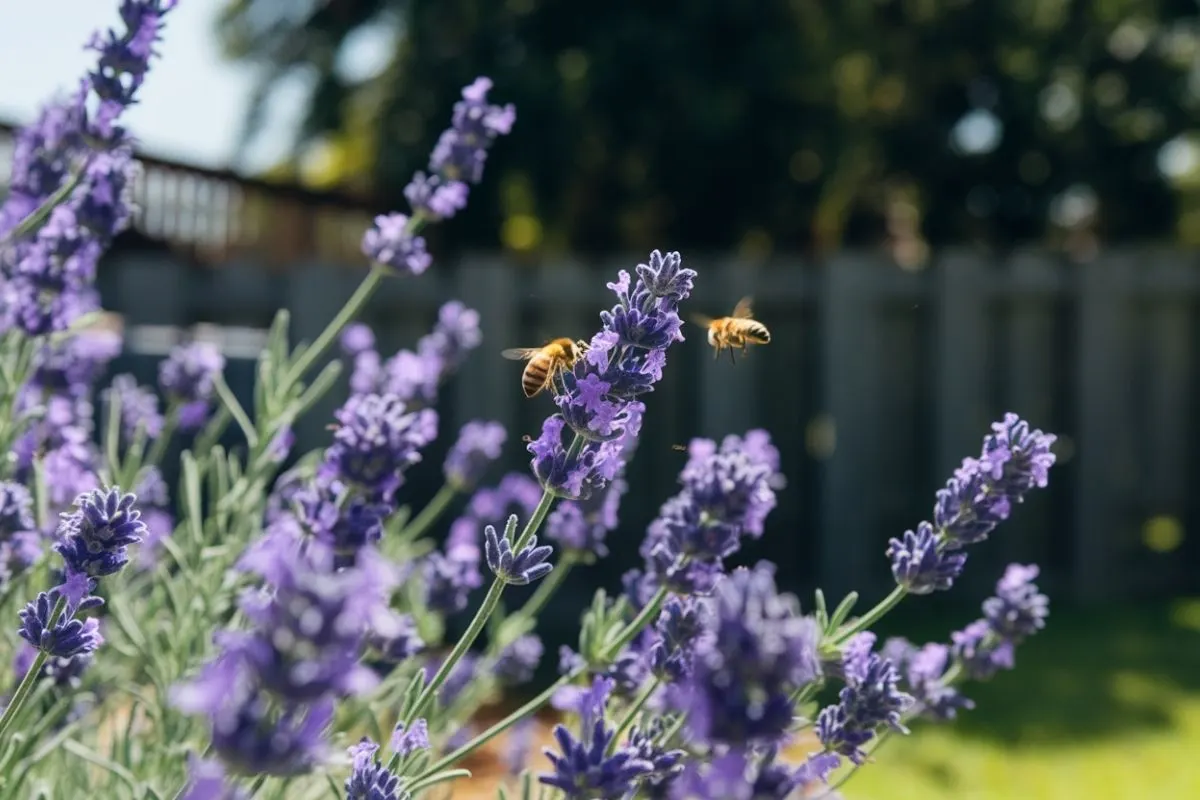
(738, 330)
(545, 362)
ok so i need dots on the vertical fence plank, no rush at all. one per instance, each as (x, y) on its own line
(489, 385)
(1105, 465)
(1029, 389)
(850, 350)
(960, 359)
(314, 294)
(1170, 352)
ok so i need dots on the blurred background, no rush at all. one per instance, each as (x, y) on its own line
(945, 209)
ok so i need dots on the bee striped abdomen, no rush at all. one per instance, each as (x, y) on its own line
(536, 374)
(756, 332)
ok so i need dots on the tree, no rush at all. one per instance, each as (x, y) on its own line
(793, 124)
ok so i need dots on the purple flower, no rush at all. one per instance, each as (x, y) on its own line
(648, 743)
(138, 408)
(398, 644)
(757, 651)
(310, 626)
(623, 360)
(681, 629)
(357, 338)
(518, 661)
(369, 779)
(982, 653)
(982, 491)
(414, 377)
(515, 567)
(725, 495)
(520, 739)
(71, 367)
(449, 582)
(461, 151)
(16, 509)
(583, 769)
(206, 781)
(392, 243)
(871, 698)
(188, 377)
(248, 735)
(345, 522)
(920, 565)
(924, 677)
(406, 741)
(479, 444)
(64, 672)
(1018, 610)
(93, 539)
(376, 441)
(738, 775)
(435, 198)
(62, 635)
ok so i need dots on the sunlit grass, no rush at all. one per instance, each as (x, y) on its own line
(1104, 706)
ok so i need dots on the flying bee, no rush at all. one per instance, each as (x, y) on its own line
(738, 330)
(545, 363)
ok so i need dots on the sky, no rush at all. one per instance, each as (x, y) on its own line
(191, 104)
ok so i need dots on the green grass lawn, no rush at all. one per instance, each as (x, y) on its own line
(1102, 705)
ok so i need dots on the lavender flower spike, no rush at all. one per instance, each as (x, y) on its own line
(919, 565)
(62, 636)
(370, 780)
(93, 538)
(515, 568)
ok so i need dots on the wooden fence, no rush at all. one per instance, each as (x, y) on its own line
(878, 382)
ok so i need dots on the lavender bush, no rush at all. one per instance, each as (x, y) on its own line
(266, 634)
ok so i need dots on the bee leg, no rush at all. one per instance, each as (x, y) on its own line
(732, 360)
(716, 352)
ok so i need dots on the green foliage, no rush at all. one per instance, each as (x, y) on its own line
(785, 123)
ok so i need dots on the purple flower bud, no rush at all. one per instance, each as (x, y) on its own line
(405, 742)
(139, 407)
(369, 779)
(376, 440)
(62, 635)
(392, 244)
(436, 198)
(918, 563)
(356, 338)
(1018, 610)
(515, 568)
(188, 376)
(93, 538)
(479, 444)
(870, 698)
(519, 660)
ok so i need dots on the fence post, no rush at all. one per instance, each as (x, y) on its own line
(1106, 470)
(850, 350)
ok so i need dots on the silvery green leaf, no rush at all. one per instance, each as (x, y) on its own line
(324, 381)
(822, 612)
(436, 778)
(842, 612)
(191, 497)
(36, 218)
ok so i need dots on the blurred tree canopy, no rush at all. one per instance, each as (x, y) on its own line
(759, 124)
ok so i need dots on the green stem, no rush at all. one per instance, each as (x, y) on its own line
(500, 727)
(235, 409)
(632, 713)
(486, 609)
(429, 514)
(871, 617)
(348, 312)
(159, 448)
(31, 677)
(533, 606)
(644, 617)
(36, 218)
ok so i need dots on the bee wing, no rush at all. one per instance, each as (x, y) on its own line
(701, 320)
(520, 353)
(743, 309)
